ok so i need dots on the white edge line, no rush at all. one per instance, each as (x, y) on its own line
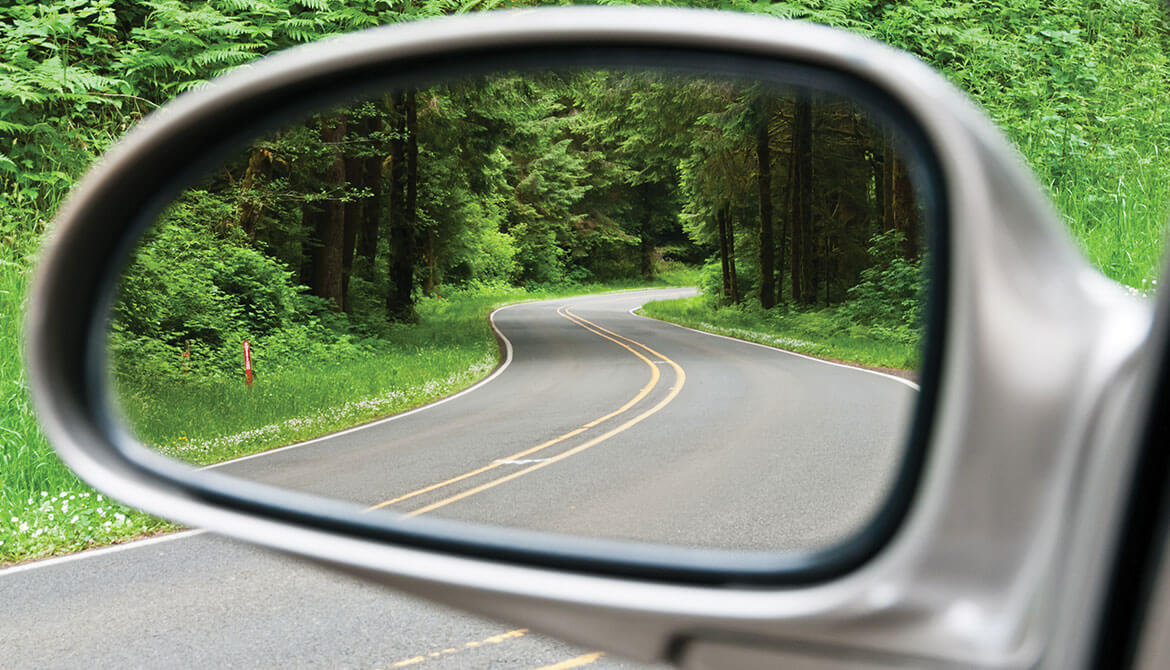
(902, 380)
(498, 371)
(180, 535)
(101, 551)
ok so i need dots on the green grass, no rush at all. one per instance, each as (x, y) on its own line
(1121, 224)
(821, 333)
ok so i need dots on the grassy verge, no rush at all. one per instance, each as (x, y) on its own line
(208, 420)
(45, 510)
(822, 333)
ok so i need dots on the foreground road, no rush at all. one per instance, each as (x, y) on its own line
(601, 423)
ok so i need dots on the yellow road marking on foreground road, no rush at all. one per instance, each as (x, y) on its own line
(495, 639)
(674, 391)
(580, 661)
(655, 375)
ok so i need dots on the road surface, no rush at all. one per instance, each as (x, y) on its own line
(600, 423)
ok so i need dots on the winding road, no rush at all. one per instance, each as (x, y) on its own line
(598, 423)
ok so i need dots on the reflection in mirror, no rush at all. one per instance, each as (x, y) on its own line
(341, 271)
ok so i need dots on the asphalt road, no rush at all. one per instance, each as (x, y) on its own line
(601, 423)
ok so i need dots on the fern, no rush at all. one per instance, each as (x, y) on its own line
(224, 57)
(252, 6)
(318, 5)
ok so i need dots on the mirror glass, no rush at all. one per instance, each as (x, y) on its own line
(464, 300)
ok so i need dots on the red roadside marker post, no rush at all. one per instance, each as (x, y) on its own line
(247, 364)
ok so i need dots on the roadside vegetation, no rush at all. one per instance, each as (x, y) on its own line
(878, 325)
(578, 202)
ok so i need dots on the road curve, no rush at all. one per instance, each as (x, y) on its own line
(712, 441)
(603, 423)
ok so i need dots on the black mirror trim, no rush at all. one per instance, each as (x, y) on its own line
(67, 324)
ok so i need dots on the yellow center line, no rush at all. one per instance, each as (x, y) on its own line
(655, 375)
(495, 639)
(681, 378)
(580, 661)
(578, 317)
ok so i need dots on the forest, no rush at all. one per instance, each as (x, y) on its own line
(1077, 85)
(790, 196)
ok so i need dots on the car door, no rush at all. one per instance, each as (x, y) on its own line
(1022, 498)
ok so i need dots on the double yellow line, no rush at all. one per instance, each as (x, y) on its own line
(621, 340)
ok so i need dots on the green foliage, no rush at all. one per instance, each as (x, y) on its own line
(185, 288)
(1080, 87)
(891, 291)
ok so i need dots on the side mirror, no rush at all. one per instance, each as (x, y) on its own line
(1005, 367)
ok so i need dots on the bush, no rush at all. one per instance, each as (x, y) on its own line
(891, 291)
(186, 285)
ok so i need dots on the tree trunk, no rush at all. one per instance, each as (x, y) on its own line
(248, 211)
(801, 197)
(828, 265)
(372, 212)
(888, 218)
(905, 210)
(330, 228)
(396, 192)
(721, 228)
(782, 253)
(354, 216)
(767, 245)
(403, 200)
(430, 279)
(729, 226)
(645, 249)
